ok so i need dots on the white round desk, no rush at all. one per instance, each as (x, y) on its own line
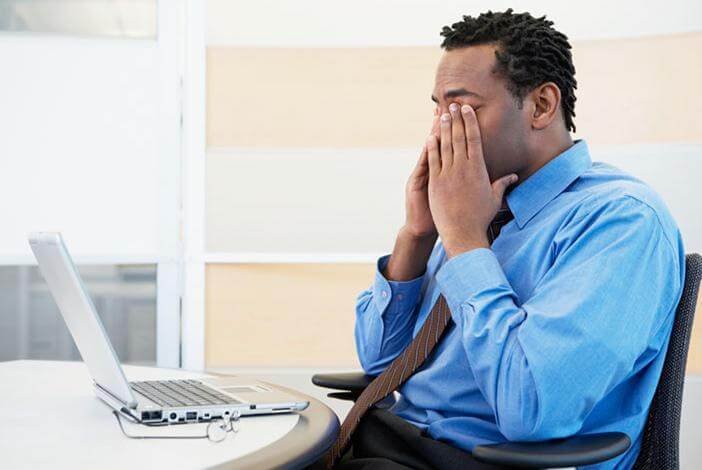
(50, 418)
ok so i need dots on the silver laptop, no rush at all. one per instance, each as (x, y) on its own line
(154, 401)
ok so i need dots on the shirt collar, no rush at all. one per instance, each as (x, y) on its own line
(527, 199)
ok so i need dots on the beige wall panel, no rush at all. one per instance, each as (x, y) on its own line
(319, 97)
(276, 315)
(639, 90)
(694, 361)
(630, 90)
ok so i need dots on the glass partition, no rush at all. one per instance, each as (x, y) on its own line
(134, 19)
(31, 326)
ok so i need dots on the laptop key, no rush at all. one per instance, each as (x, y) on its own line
(176, 393)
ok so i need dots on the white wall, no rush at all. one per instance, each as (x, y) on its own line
(334, 23)
(85, 133)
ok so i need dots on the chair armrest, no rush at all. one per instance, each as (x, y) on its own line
(574, 451)
(354, 382)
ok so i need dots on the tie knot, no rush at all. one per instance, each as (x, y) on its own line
(503, 216)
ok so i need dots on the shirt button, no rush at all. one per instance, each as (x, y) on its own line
(384, 293)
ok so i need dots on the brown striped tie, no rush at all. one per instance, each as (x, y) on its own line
(406, 363)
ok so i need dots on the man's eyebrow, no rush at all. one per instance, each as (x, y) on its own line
(455, 93)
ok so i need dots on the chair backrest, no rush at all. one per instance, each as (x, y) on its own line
(660, 444)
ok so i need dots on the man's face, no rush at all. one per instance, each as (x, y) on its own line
(466, 76)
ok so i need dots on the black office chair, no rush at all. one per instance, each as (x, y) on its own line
(660, 444)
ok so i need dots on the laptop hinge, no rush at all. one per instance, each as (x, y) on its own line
(132, 405)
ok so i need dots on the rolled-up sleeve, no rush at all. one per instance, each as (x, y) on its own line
(544, 362)
(385, 317)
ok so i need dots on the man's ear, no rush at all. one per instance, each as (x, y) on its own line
(546, 99)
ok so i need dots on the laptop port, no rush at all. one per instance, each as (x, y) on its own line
(151, 415)
(191, 415)
(173, 416)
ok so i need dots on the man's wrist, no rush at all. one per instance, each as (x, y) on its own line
(454, 246)
(410, 236)
(409, 257)
(407, 234)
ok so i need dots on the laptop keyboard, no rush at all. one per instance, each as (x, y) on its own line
(175, 393)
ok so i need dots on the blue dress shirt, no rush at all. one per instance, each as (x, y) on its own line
(559, 329)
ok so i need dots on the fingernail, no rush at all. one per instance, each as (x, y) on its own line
(453, 107)
(446, 117)
(429, 139)
(465, 109)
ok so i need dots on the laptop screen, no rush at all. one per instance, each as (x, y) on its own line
(80, 316)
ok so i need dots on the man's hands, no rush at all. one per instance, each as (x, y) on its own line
(448, 194)
(416, 239)
(419, 222)
(462, 200)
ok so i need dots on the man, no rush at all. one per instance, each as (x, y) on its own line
(559, 326)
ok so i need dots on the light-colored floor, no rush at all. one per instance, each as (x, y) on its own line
(691, 425)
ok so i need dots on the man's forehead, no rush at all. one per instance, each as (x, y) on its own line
(471, 68)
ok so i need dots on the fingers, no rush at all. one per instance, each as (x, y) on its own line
(473, 139)
(446, 146)
(422, 163)
(435, 127)
(458, 135)
(500, 186)
(433, 156)
(419, 178)
(422, 158)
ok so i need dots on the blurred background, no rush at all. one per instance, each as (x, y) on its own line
(226, 173)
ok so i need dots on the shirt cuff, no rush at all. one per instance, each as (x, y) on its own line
(464, 276)
(394, 294)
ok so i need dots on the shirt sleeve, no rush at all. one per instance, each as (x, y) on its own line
(544, 362)
(385, 318)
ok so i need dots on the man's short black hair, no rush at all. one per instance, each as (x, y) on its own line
(530, 52)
